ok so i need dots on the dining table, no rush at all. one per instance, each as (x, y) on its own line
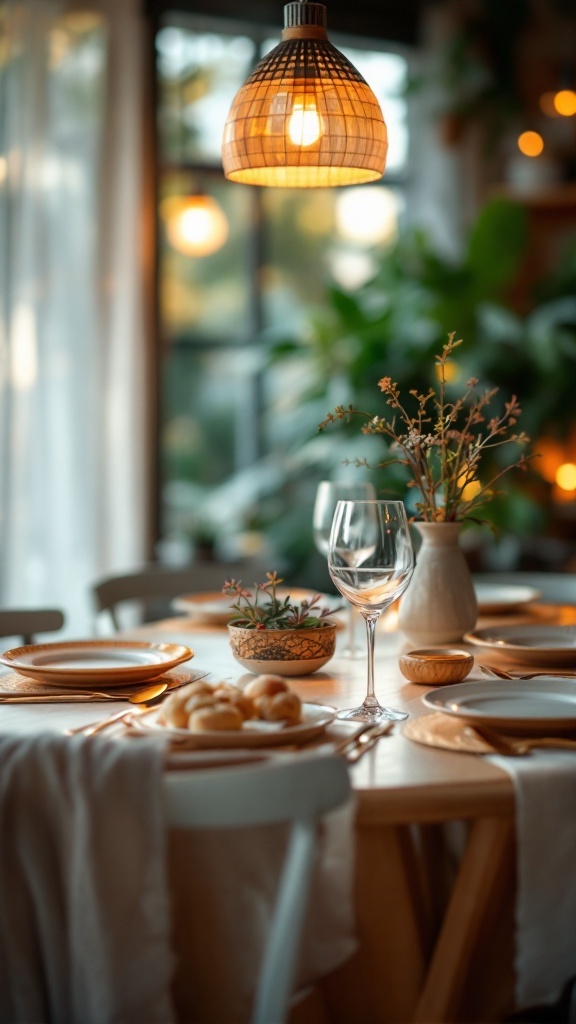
(434, 851)
(434, 839)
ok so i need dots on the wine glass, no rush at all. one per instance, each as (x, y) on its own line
(328, 495)
(371, 561)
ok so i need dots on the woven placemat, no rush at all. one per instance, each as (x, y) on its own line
(15, 685)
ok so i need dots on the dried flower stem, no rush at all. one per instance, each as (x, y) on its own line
(444, 442)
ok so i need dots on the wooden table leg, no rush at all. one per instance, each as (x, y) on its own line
(485, 872)
(381, 982)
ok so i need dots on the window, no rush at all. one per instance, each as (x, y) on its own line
(269, 267)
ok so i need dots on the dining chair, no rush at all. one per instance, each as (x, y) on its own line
(152, 587)
(26, 622)
(295, 792)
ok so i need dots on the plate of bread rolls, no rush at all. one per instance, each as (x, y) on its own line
(265, 712)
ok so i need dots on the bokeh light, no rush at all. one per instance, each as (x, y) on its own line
(195, 225)
(565, 102)
(566, 476)
(530, 143)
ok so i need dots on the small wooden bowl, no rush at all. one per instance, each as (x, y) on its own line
(434, 667)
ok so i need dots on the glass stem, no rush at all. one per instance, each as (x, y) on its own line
(371, 620)
(351, 630)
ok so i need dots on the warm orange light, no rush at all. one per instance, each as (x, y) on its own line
(304, 126)
(566, 476)
(547, 105)
(551, 454)
(195, 225)
(530, 143)
(452, 371)
(565, 102)
(471, 490)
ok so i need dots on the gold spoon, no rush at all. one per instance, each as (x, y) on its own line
(151, 693)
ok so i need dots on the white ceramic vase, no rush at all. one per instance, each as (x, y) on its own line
(440, 604)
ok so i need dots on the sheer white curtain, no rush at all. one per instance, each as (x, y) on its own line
(73, 351)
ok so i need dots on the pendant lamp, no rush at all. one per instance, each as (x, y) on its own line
(305, 118)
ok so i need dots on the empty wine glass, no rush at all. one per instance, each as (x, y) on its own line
(371, 561)
(328, 494)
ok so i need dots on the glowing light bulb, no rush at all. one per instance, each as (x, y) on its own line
(566, 476)
(530, 143)
(304, 126)
(195, 225)
(565, 102)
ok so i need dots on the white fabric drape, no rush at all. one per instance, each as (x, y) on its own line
(72, 341)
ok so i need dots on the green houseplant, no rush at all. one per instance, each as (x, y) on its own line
(269, 632)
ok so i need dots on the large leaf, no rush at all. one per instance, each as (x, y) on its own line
(496, 245)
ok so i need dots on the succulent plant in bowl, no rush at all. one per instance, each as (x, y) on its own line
(272, 633)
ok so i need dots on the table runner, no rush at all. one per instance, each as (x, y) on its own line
(84, 910)
(545, 788)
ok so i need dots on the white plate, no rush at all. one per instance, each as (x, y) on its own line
(528, 706)
(216, 608)
(85, 663)
(315, 718)
(531, 644)
(497, 598)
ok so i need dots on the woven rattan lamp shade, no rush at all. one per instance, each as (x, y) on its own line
(305, 118)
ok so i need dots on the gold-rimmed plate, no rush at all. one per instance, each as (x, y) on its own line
(315, 718)
(211, 607)
(107, 663)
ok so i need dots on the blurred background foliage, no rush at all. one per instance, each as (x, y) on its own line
(392, 326)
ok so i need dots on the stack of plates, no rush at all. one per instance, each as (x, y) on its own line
(102, 663)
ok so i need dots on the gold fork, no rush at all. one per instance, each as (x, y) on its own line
(511, 747)
(145, 700)
(500, 673)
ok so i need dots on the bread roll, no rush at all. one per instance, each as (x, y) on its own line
(173, 711)
(174, 708)
(265, 686)
(232, 695)
(280, 707)
(199, 700)
(197, 688)
(217, 717)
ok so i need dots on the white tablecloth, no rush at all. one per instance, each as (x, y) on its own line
(84, 907)
(545, 786)
(221, 885)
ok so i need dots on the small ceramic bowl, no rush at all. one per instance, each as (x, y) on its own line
(435, 666)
